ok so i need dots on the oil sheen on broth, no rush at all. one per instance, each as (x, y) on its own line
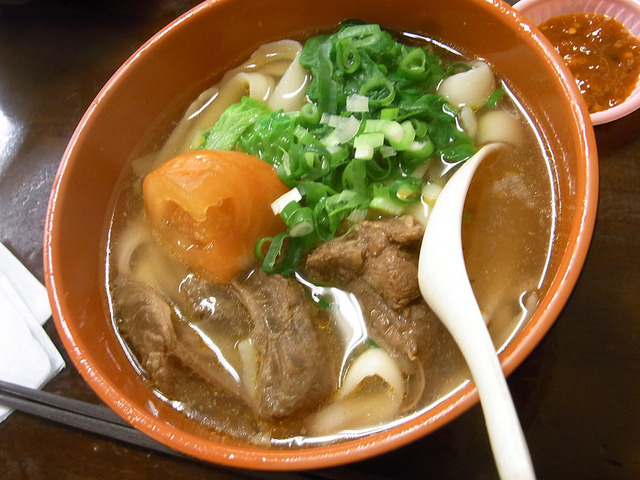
(211, 350)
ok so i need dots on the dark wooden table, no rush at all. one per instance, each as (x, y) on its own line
(578, 394)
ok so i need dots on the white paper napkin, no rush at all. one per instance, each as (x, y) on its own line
(28, 287)
(28, 357)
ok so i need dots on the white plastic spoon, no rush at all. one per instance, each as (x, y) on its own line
(445, 286)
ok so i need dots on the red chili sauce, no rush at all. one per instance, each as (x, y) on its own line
(602, 54)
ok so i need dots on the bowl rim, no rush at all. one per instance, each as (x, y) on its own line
(252, 457)
(625, 11)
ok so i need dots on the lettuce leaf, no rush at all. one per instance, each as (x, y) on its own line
(232, 124)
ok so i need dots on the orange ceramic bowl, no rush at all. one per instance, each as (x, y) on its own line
(216, 36)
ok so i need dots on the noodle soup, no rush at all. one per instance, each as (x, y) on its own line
(256, 343)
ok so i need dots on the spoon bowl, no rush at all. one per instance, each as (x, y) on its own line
(445, 286)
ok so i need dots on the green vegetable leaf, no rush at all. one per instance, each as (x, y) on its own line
(232, 123)
(269, 137)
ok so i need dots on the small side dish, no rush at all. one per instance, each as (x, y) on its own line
(599, 40)
(602, 54)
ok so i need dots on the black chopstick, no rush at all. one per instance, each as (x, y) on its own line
(61, 402)
(86, 416)
(101, 420)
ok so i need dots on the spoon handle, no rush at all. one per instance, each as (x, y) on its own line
(508, 443)
(445, 286)
(463, 319)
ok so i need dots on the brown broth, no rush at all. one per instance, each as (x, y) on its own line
(507, 239)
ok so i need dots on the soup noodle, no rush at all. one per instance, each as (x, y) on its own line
(344, 346)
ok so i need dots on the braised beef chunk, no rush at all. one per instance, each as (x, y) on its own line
(219, 304)
(164, 346)
(157, 336)
(394, 275)
(402, 329)
(144, 320)
(289, 345)
(378, 262)
(382, 252)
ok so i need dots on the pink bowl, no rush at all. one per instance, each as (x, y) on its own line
(626, 12)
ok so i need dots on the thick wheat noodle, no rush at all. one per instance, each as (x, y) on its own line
(275, 85)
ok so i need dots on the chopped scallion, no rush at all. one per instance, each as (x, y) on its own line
(408, 136)
(357, 103)
(495, 97)
(281, 202)
(371, 122)
(393, 132)
(414, 64)
(419, 150)
(380, 91)
(385, 203)
(390, 113)
(309, 115)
